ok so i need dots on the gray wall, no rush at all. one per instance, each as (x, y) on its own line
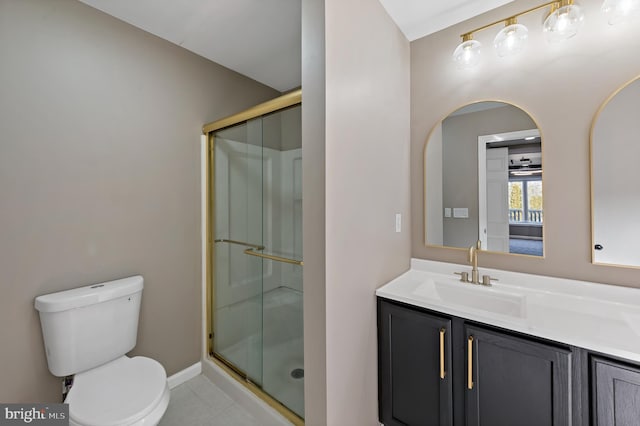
(355, 141)
(367, 183)
(460, 164)
(561, 86)
(100, 126)
(433, 199)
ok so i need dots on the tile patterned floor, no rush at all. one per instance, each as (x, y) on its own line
(199, 402)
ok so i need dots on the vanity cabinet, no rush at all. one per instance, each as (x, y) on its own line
(616, 387)
(441, 370)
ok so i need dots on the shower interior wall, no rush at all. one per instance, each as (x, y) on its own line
(274, 140)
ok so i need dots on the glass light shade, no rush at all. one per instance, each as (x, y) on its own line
(467, 54)
(563, 23)
(511, 39)
(619, 10)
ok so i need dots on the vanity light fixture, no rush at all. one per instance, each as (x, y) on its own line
(620, 10)
(511, 39)
(563, 21)
(467, 54)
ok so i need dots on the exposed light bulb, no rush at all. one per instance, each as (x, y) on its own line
(620, 10)
(467, 54)
(564, 22)
(511, 39)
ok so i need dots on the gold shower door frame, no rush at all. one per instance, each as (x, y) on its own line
(282, 102)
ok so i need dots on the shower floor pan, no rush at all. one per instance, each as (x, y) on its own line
(281, 347)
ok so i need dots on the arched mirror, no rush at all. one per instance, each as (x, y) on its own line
(615, 198)
(483, 180)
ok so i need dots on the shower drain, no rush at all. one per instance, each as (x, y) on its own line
(297, 373)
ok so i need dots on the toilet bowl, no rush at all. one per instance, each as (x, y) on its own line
(87, 331)
(127, 391)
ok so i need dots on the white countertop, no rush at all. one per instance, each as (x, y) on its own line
(598, 317)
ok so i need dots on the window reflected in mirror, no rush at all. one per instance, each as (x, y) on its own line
(483, 180)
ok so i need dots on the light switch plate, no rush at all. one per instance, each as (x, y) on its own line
(461, 212)
(447, 212)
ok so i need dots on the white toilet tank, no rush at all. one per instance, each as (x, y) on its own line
(88, 326)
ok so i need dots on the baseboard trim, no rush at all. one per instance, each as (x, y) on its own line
(182, 376)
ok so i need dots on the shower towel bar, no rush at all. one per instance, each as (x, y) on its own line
(251, 252)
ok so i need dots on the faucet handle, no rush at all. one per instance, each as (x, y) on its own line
(486, 280)
(464, 276)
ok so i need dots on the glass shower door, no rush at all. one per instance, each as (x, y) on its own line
(257, 256)
(283, 360)
(237, 304)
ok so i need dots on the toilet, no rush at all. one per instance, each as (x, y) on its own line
(87, 332)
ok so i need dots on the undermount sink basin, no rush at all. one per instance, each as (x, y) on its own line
(473, 296)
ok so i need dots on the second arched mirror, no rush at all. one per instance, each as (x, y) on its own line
(614, 183)
(483, 180)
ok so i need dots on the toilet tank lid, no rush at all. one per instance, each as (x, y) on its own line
(89, 295)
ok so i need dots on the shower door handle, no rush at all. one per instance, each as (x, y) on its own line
(252, 252)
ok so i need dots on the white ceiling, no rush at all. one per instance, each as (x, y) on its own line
(257, 38)
(261, 39)
(418, 18)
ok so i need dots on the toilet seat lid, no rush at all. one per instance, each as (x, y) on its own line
(117, 393)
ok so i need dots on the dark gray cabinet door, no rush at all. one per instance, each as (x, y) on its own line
(616, 390)
(411, 388)
(514, 381)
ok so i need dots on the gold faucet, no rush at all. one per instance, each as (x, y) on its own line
(475, 275)
(473, 259)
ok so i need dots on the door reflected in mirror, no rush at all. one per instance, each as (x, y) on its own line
(615, 149)
(483, 180)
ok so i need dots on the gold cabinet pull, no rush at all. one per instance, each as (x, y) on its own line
(470, 363)
(442, 372)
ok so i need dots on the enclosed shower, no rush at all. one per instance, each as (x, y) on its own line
(255, 250)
